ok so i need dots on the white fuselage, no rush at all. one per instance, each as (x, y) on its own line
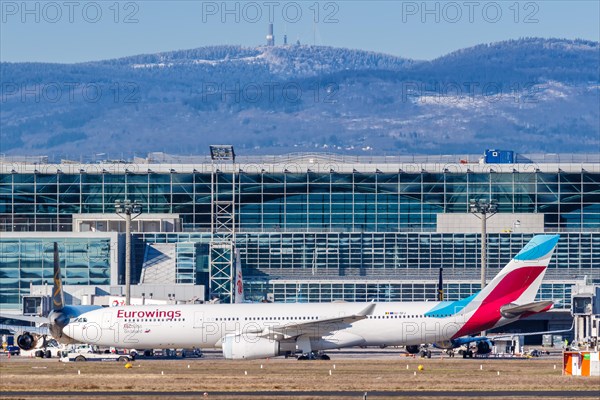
(205, 326)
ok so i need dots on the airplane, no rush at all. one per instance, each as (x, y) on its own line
(254, 331)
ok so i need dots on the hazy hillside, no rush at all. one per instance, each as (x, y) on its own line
(529, 95)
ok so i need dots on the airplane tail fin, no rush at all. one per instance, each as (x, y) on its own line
(239, 280)
(515, 285)
(521, 278)
(58, 298)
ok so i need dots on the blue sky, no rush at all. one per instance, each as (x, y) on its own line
(74, 31)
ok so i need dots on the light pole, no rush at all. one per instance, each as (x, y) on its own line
(128, 208)
(486, 208)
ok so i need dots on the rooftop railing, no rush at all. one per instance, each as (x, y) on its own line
(308, 158)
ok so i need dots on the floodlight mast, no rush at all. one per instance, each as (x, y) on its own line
(222, 152)
(487, 208)
(128, 210)
(222, 243)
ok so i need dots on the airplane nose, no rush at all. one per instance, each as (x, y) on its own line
(73, 330)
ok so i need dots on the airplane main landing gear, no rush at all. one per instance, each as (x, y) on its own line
(314, 355)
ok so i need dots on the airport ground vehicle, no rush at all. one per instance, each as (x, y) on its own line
(13, 350)
(192, 352)
(81, 348)
(81, 357)
(534, 353)
(51, 349)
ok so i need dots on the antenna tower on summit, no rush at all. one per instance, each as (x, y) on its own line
(270, 37)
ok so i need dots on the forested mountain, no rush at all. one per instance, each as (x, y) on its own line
(529, 95)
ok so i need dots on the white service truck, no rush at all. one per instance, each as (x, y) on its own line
(52, 349)
(81, 357)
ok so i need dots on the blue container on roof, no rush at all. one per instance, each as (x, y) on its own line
(499, 156)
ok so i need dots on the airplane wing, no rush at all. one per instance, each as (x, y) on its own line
(314, 328)
(514, 310)
(28, 318)
(19, 329)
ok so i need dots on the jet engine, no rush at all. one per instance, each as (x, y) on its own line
(27, 341)
(413, 349)
(238, 347)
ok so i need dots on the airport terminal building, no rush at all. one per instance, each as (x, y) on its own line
(308, 227)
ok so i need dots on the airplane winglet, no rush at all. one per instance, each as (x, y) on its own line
(368, 310)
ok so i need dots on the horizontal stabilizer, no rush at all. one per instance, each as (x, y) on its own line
(515, 310)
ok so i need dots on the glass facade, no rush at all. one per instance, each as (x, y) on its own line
(305, 235)
(319, 291)
(271, 260)
(331, 202)
(185, 262)
(394, 255)
(30, 261)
